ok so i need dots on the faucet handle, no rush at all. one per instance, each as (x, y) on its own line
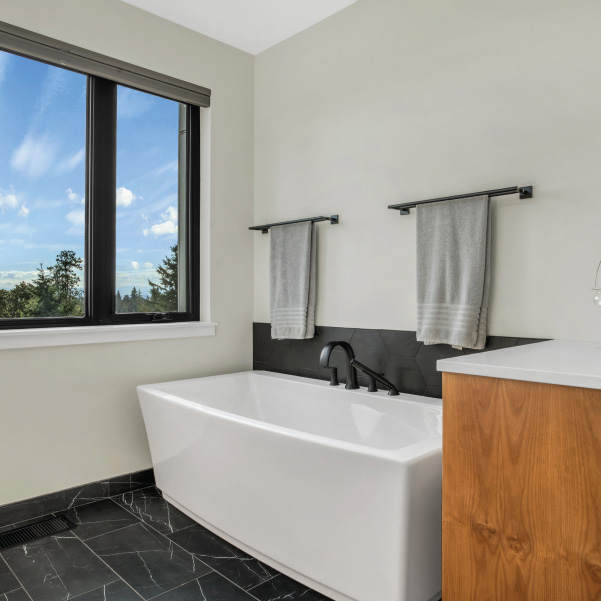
(372, 385)
(334, 377)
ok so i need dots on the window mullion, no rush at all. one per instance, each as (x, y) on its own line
(100, 198)
(193, 210)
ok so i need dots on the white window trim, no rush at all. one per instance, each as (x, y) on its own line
(35, 337)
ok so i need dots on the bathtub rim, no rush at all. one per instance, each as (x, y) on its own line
(405, 455)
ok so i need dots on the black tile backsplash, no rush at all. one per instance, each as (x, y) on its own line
(396, 354)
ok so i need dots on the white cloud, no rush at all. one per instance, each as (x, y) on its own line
(161, 229)
(8, 202)
(171, 214)
(125, 197)
(148, 265)
(35, 156)
(23, 211)
(127, 278)
(76, 217)
(145, 231)
(71, 195)
(70, 163)
(169, 225)
(135, 265)
(9, 279)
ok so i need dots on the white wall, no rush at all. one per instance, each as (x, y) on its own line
(391, 101)
(69, 415)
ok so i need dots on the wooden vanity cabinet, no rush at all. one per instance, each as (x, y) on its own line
(521, 496)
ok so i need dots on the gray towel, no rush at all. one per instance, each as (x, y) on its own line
(293, 269)
(453, 272)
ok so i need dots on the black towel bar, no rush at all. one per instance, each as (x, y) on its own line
(523, 191)
(333, 219)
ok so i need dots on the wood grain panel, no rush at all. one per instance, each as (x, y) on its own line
(521, 491)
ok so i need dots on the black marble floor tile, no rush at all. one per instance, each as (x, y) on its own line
(18, 595)
(73, 497)
(26, 522)
(99, 518)
(211, 587)
(282, 588)
(149, 505)
(115, 591)
(57, 501)
(57, 568)
(149, 562)
(7, 581)
(234, 564)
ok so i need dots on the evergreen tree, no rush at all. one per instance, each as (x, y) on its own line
(118, 302)
(70, 297)
(45, 302)
(163, 296)
(4, 303)
(19, 299)
(53, 294)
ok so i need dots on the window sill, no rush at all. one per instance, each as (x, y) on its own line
(35, 337)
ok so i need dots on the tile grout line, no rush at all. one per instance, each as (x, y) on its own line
(109, 532)
(252, 588)
(108, 566)
(16, 577)
(96, 589)
(149, 525)
(217, 571)
(88, 502)
(194, 557)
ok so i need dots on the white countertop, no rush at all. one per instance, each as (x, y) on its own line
(564, 362)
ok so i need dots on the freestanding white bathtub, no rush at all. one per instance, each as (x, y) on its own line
(338, 489)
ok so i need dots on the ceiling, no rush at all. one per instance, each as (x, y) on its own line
(250, 25)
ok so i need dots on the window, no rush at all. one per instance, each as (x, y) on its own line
(99, 189)
(42, 185)
(151, 203)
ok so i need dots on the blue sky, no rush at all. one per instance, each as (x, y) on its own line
(42, 173)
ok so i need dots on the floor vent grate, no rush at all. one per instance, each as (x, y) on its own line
(26, 534)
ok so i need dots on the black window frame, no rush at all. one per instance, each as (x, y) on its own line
(101, 184)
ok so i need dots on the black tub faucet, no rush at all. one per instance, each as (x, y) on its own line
(375, 377)
(351, 371)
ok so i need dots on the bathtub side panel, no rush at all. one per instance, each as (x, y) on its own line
(337, 517)
(424, 528)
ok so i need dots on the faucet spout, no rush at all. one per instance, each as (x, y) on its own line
(351, 372)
